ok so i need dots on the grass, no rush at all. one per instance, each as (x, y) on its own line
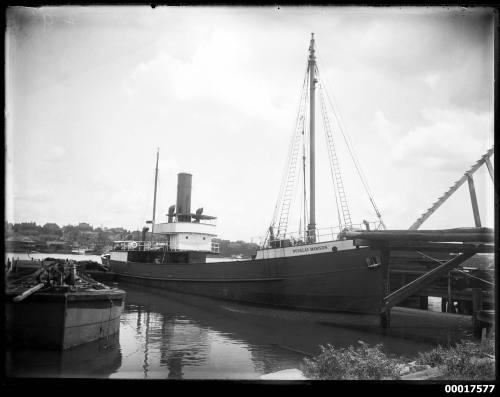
(362, 362)
(463, 361)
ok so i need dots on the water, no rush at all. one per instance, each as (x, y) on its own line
(166, 335)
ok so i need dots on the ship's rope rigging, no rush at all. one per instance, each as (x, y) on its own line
(279, 222)
(279, 225)
(353, 156)
(339, 191)
(350, 148)
(304, 189)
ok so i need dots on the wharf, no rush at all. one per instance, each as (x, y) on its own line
(452, 248)
(458, 286)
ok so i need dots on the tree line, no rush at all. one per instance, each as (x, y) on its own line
(51, 237)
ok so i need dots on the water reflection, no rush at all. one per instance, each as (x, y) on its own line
(97, 359)
(162, 340)
(179, 336)
(165, 335)
(170, 339)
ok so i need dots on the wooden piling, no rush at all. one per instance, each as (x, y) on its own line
(477, 305)
(385, 316)
(477, 300)
(450, 302)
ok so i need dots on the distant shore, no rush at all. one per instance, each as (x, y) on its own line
(67, 252)
(57, 255)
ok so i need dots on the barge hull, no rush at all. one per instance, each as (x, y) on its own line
(60, 321)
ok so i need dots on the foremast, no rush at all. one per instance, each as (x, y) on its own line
(154, 199)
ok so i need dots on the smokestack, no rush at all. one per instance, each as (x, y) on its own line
(183, 197)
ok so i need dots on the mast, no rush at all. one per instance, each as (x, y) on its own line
(312, 194)
(154, 200)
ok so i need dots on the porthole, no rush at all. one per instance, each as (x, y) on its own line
(187, 237)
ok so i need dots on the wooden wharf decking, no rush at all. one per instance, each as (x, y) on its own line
(454, 247)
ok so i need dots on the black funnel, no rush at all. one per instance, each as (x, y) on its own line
(183, 197)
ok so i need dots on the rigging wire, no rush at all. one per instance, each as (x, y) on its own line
(287, 216)
(350, 148)
(283, 181)
(357, 165)
(335, 188)
(305, 146)
(282, 204)
(304, 185)
(302, 209)
(289, 181)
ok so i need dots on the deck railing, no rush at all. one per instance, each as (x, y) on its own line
(212, 222)
(321, 235)
(156, 246)
(132, 246)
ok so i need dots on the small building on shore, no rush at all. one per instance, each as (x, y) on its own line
(16, 244)
(58, 245)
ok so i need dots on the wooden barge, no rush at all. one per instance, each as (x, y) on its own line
(57, 308)
(63, 319)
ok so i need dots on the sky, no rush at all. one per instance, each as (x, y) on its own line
(92, 92)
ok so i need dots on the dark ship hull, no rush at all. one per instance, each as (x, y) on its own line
(340, 281)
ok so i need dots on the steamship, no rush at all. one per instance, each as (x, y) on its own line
(309, 270)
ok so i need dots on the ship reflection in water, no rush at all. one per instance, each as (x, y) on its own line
(166, 335)
(177, 336)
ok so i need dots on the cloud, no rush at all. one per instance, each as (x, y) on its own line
(55, 153)
(424, 161)
(431, 79)
(210, 78)
(29, 206)
(125, 201)
(448, 139)
(41, 196)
